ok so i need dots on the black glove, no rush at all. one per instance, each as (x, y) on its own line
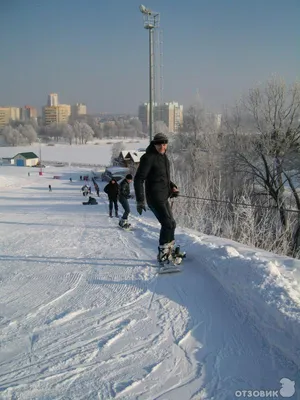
(174, 194)
(140, 206)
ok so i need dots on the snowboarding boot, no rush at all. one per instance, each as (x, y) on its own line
(123, 223)
(110, 215)
(166, 261)
(176, 255)
(163, 254)
(176, 252)
(116, 214)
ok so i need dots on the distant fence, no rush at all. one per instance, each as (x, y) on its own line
(67, 164)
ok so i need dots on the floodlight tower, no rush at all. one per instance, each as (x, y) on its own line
(151, 22)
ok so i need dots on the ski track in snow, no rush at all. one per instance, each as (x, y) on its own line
(85, 316)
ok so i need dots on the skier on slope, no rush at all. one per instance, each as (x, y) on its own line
(154, 170)
(112, 191)
(124, 195)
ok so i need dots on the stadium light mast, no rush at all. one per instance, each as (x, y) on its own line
(151, 22)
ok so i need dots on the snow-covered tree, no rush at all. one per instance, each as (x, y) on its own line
(136, 124)
(83, 132)
(12, 136)
(68, 132)
(160, 127)
(115, 152)
(29, 133)
(271, 130)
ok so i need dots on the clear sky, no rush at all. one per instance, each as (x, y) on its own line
(96, 51)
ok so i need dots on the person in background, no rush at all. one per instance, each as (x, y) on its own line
(85, 190)
(112, 191)
(97, 189)
(50, 188)
(124, 195)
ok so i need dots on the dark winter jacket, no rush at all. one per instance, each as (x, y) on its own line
(154, 170)
(112, 190)
(91, 201)
(124, 189)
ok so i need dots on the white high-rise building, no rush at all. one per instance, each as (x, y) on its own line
(52, 100)
(171, 114)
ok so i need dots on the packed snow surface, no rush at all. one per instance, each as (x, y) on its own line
(84, 315)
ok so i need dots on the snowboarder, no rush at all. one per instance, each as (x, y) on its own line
(154, 171)
(112, 191)
(123, 199)
(50, 188)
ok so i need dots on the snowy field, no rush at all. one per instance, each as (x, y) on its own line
(84, 315)
(92, 153)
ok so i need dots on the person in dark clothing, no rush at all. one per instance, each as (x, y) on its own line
(112, 190)
(123, 199)
(154, 171)
(91, 201)
(97, 189)
(50, 188)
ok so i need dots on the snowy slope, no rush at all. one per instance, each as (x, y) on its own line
(85, 316)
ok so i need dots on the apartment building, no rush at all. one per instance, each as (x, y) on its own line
(56, 114)
(4, 116)
(78, 109)
(8, 114)
(52, 100)
(171, 114)
(27, 113)
(144, 115)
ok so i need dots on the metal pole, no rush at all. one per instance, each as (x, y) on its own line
(151, 118)
(41, 170)
(151, 21)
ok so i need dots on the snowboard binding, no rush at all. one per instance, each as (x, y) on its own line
(170, 256)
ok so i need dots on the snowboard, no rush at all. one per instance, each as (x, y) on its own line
(171, 266)
(128, 228)
(168, 269)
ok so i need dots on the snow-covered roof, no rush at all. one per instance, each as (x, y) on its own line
(135, 155)
(124, 153)
(28, 155)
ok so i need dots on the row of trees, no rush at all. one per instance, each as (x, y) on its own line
(21, 135)
(77, 132)
(253, 160)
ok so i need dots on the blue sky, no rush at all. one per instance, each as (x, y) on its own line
(96, 51)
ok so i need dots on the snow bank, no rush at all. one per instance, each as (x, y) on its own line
(264, 287)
